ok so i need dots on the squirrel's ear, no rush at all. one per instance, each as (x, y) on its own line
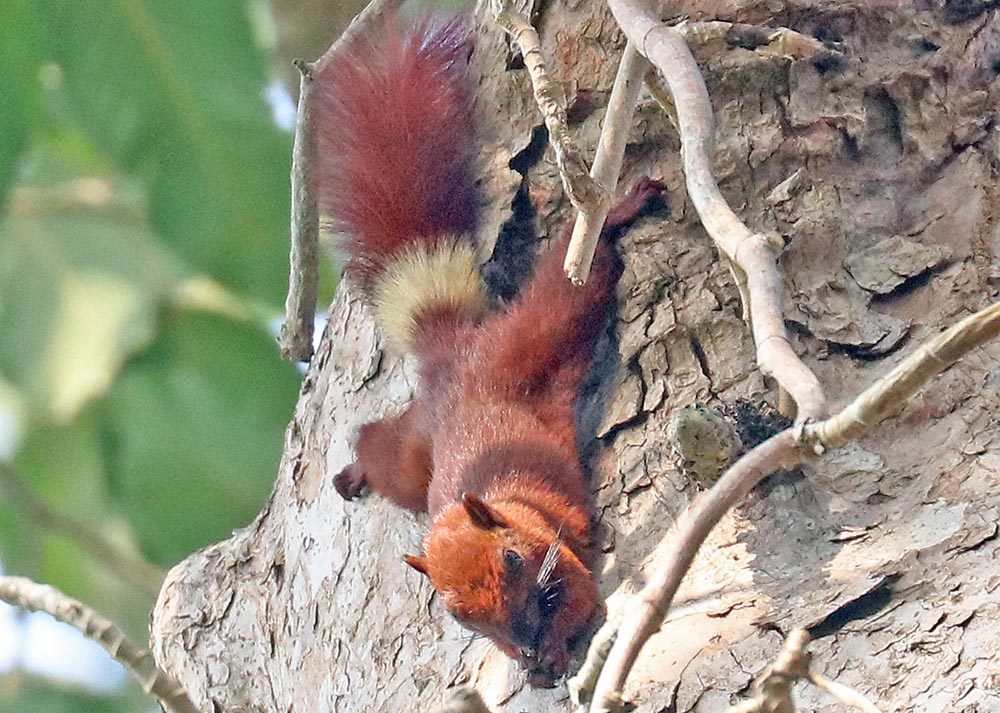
(481, 514)
(417, 562)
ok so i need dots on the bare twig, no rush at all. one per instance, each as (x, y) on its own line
(127, 565)
(784, 450)
(845, 693)
(751, 252)
(607, 163)
(580, 187)
(581, 686)
(295, 338)
(26, 594)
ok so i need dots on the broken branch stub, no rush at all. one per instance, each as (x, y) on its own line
(296, 334)
(607, 163)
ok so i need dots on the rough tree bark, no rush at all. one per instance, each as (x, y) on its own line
(881, 174)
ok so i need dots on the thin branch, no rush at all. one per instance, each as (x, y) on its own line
(646, 613)
(580, 187)
(607, 163)
(879, 400)
(127, 565)
(295, 337)
(753, 253)
(783, 450)
(26, 594)
(844, 693)
(661, 93)
(581, 686)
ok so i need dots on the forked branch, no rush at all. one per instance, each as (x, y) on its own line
(591, 191)
(876, 402)
(784, 450)
(773, 690)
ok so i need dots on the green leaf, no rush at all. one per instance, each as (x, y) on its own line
(19, 62)
(174, 91)
(80, 281)
(194, 431)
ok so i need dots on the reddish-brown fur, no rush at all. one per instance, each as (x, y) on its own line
(488, 447)
(507, 435)
(393, 118)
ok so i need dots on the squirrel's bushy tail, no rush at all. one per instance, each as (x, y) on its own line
(395, 169)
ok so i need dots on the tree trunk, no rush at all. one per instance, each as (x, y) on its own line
(880, 172)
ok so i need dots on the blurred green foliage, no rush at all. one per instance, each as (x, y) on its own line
(42, 697)
(144, 197)
(143, 261)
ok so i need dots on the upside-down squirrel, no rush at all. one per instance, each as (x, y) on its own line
(488, 446)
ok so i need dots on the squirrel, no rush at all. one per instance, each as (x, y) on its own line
(488, 446)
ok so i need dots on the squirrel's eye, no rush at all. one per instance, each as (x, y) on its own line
(513, 561)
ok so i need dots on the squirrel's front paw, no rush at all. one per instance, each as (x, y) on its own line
(349, 482)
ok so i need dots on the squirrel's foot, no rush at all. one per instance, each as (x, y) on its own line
(645, 196)
(350, 482)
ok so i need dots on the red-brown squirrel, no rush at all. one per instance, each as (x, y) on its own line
(487, 447)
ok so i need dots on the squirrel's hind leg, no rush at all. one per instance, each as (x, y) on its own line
(543, 343)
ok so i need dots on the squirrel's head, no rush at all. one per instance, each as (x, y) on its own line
(502, 571)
